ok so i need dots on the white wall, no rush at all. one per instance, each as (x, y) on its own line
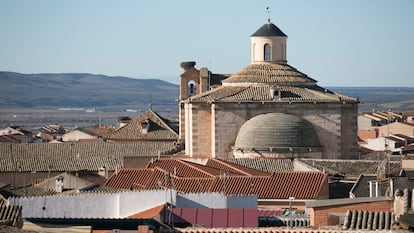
(92, 205)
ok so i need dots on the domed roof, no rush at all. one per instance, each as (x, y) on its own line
(269, 29)
(276, 131)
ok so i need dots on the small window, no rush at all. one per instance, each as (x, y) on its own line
(267, 52)
(192, 88)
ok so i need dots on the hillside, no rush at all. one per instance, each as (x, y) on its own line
(82, 90)
(90, 90)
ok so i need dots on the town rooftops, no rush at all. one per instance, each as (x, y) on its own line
(74, 156)
(279, 185)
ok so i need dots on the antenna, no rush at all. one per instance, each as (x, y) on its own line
(150, 103)
(268, 14)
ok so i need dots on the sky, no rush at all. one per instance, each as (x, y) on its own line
(338, 43)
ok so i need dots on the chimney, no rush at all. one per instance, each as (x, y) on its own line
(145, 126)
(59, 184)
(102, 171)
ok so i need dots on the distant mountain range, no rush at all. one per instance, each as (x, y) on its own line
(82, 90)
(90, 90)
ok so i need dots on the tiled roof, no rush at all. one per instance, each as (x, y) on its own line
(212, 168)
(262, 93)
(137, 178)
(268, 230)
(368, 220)
(267, 165)
(280, 185)
(350, 168)
(269, 73)
(159, 129)
(181, 168)
(75, 156)
(149, 213)
(12, 138)
(9, 215)
(236, 168)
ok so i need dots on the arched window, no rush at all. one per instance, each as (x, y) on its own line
(192, 88)
(267, 52)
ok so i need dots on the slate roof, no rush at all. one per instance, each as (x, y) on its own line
(159, 129)
(350, 168)
(269, 29)
(268, 165)
(75, 156)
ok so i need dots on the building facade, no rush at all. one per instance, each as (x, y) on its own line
(267, 109)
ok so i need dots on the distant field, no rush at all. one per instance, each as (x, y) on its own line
(36, 117)
(380, 98)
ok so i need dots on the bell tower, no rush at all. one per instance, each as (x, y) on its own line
(268, 44)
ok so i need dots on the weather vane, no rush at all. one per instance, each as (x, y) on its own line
(268, 14)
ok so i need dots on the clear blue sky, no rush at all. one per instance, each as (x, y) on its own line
(338, 43)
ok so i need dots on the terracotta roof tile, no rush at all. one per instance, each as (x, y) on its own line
(234, 168)
(159, 129)
(181, 168)
(75, 156)
(260, 93)
(279, 185)
(269, 73)
(149, 213)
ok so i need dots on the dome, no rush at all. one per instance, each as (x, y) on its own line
(275, 132)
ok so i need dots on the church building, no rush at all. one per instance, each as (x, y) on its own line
(267, 109)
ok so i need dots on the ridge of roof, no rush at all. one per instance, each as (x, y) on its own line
(243, 170)
(129, 131)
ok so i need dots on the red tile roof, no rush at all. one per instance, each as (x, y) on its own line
(279, 185)
(149, 213)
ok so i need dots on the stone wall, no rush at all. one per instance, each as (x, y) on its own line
(198, 140)
(335, 124)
